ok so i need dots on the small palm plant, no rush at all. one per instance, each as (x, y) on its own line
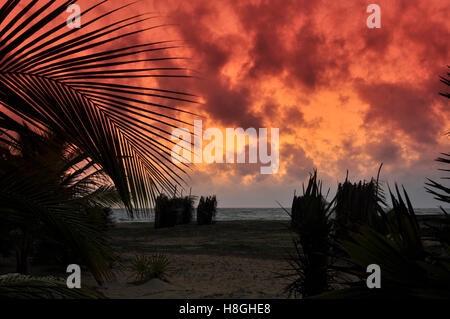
(310, 215)
(140, 268)
(159, 266)
(144, 268)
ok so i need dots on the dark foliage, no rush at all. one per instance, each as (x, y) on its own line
(53, 200)
(184, 209)
(310, 215)
(358, 204)
(206, 210)
(408, 270)
(440, 191)
(446, 81)
(78, 83)
(144, 268)
(165, 212)
(173, 211)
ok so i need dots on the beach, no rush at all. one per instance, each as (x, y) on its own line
(224, 260)
(229, 259)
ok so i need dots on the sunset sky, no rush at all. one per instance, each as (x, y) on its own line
(344, 97)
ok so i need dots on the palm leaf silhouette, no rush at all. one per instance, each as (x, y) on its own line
(440, 191)
(446, 81)
(78, 83)
(47, 191)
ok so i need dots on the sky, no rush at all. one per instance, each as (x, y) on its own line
(344, 97)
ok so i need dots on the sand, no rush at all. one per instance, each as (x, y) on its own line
(224, 260)
(205, 276)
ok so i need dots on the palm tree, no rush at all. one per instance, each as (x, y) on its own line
(79, 85)
(50, 191)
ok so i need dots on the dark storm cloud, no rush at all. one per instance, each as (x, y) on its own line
(400, 107)
(385, 151)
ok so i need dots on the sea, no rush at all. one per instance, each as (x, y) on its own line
(233, 214)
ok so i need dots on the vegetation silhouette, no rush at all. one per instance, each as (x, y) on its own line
(74, 83)
(311, 222)
(76, 135)
(206, 210)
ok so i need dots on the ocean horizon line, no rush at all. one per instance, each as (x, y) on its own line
(246, 214)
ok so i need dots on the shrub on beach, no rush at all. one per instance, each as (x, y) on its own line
(173, 211)
(188, 209)
(165, 214)
(311, 221)
(206, 210)
(358, 204)
(184, 207)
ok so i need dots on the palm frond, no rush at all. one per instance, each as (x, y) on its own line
(446, 81)
(440, 191)
(39, 196)
(408, 270)
(70, 82)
